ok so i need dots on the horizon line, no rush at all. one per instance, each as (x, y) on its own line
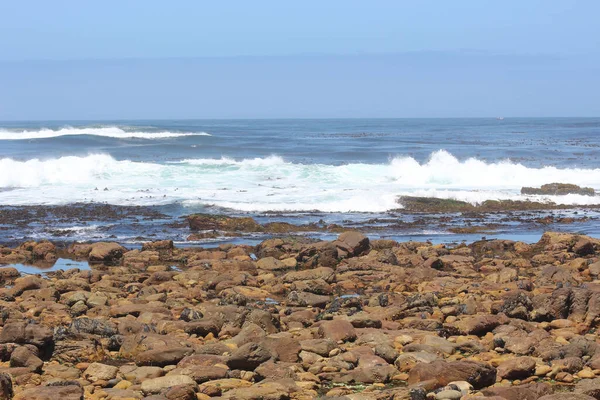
(499, 117)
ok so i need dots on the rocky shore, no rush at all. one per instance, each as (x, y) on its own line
(299, 319)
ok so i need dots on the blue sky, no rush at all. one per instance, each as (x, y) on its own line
(269, 59)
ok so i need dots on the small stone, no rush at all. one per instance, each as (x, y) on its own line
(586, 373)
(542, 370)
(448, 395)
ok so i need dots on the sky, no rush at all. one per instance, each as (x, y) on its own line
(272, 59)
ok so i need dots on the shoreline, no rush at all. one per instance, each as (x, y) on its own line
(440, 222)
(302, 318)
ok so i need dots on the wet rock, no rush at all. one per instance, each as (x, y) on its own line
(204, 222)
(558, 189)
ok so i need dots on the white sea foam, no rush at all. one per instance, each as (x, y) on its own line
(271, 183)
(108, 131)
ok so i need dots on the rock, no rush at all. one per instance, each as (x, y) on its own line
(23, 357)
(264, 391)
(566, 396)
(156, 385)
(201, 373)
(583, 247)
(181, 392)
(8, 273)
(24, 333)
(271, 264)
(589, 387)
(93, 327)
(353, 243)
(558, 189)
(97, 371)
(337, 330)
(531, 391)
(477, 374)
(321, 347)
(205, 222)
(249, 356)
(140, 374)
(68, 392)
(516, 368)
(480, 324)
(162, 357)
(448, 395)
(284, 349)
(107, 253)
(6, 387)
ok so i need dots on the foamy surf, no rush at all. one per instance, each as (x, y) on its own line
(109, 131)
(273, 184)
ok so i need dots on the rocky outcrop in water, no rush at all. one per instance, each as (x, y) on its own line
(300, 319)
(559, 189)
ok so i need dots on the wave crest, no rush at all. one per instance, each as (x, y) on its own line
(272, 183)
(109, 131)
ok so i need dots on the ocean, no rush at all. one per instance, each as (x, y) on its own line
(350, 171)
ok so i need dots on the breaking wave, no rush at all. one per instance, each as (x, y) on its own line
(109, 131)
(271, 183)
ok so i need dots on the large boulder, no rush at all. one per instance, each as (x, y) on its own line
(23, 333)
(6, 388)
(97, 371)
(442, 373)
(531, 391)
(516, 368)
(68, 392)
(106, 252)
(249, 356)
(566, 396)
(337, 330)
(156, 385)
(352, 243)
(25, 358)
(162, 357)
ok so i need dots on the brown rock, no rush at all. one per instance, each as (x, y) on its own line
(249, 356)
(516, 368)
(477, 374)
(181, 392)
(589, 387)
(532, 391)
(337, 330)
(107, 253)
(24, 333)
(69, 392)
(23, 357)
(6, 388)
(353, 243)
(566, 396)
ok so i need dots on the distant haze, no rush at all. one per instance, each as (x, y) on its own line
(269, 59)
